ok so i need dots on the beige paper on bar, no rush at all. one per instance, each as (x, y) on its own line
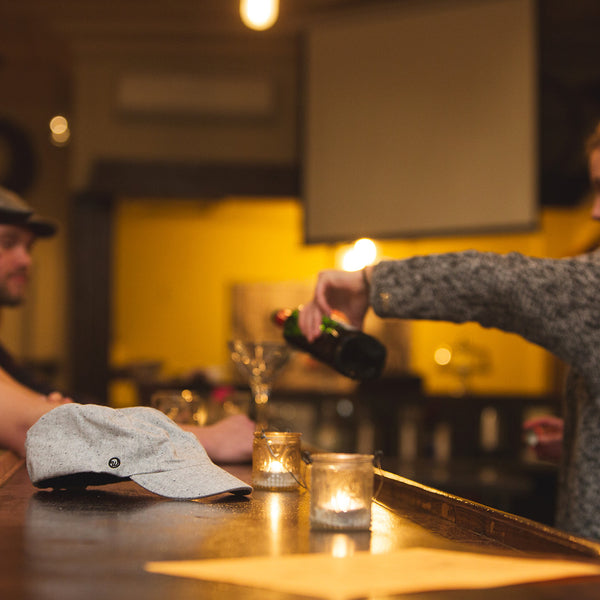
(362, 574)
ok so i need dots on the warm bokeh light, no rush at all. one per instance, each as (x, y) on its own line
(59, 130)
(58, 124)
(442, 355)
(259, 14)
(361, 254)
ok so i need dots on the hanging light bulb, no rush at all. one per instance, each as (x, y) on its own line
(259, 14)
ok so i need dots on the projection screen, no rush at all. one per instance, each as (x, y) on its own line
(421, 121)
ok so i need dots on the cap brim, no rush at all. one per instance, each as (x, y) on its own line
(39, 226)
(198, 481)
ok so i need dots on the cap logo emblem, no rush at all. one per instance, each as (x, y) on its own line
(113, 463)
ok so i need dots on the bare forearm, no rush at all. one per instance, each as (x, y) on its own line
(20, 409)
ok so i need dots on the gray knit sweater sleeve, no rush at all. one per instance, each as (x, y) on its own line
(554, 303)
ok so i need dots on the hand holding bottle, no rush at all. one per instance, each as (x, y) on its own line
(346, 292)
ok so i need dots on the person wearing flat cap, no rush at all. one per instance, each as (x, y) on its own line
(19, 228)
(22, 399)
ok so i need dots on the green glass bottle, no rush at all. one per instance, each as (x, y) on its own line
(348, 350)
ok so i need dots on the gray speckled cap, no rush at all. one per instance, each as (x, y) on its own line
(76, 445)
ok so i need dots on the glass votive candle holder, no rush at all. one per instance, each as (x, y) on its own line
(341, 491)
(276, 460)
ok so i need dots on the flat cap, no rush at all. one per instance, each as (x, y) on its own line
(76, 445)
(15, 211)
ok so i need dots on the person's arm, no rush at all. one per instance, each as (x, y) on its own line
(550, 302)
(20, 408)
(227, 441)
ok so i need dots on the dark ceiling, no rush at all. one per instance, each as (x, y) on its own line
(569, 54)
(569, 28)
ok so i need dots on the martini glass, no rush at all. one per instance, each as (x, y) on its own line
(260, 362)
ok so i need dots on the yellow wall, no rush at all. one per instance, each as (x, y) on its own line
(175, 260)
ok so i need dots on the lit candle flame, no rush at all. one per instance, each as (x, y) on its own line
(275, 466)
(342, 502)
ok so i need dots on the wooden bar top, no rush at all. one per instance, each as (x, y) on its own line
(94, 543)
